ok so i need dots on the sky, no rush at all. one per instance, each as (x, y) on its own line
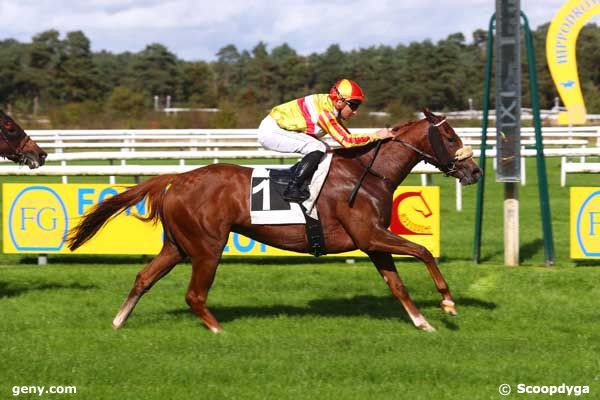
(197, 29)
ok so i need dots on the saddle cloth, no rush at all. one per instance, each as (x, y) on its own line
(267, 206)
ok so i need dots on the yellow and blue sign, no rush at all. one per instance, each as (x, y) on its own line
(36, 219)
(560, 54)
(585, 222)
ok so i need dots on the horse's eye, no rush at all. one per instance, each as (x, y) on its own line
(9, 126)
(452, 139)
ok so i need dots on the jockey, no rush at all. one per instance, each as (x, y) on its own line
(297, 126)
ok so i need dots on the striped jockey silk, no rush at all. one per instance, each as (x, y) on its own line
(315, 115)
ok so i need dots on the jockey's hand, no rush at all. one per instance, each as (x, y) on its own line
(384, 133)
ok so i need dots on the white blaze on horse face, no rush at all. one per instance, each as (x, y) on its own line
(464, 153)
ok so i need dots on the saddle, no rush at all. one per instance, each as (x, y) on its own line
(268, 207)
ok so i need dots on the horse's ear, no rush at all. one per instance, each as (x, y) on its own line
(429, 116)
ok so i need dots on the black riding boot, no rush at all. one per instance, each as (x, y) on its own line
(304, 170)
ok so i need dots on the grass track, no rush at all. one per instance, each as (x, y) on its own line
(316, 328)
(308, 331)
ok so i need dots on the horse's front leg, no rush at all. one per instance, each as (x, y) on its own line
(384, 241)
(387, 270)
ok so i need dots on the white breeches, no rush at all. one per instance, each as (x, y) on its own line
(273, 137)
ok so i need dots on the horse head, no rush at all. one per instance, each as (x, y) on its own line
(439, 145)
(17, 146)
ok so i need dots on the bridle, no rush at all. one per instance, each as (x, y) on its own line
(443, 161)
(16, 152)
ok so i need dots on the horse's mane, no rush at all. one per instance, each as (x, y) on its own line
(405, 127)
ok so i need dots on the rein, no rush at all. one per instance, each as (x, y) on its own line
(367, 169)
(442, 160)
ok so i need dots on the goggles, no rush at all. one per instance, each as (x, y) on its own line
(353, 104)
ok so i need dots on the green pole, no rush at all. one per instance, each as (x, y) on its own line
(484, 127)
(539, 146)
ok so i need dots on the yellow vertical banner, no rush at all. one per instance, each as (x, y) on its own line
(585, 222)
(560, 54)
(36, 218)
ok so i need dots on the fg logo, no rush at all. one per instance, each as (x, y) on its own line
(587, 224)
(37, 220)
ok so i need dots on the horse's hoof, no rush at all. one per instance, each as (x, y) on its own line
(216, 330)
(426, 327)
(448, 307)
(420, 322)
(118, 322)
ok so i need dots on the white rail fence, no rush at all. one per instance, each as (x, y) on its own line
(241, 144)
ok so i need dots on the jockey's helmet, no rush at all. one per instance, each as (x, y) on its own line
(346, 90)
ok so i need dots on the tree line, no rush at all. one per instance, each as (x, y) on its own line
(52, 73)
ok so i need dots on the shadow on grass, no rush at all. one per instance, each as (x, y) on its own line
(371, 306)
(490, 256)
(141, 260)
(10, 290)
(89, 259)
(528, 250)
(587, 263)
(288, 260)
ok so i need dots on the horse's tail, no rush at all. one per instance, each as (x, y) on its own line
(102, 212)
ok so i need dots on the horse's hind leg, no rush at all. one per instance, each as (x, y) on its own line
(386, 268)
(204, 268)
(164, 262)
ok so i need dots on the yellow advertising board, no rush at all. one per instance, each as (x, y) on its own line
(36, 218)
(560, 54)
(585, 222)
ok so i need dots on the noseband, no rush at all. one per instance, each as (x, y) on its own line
(16, 152)
(442, 160)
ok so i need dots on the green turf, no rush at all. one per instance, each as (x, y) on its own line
(315, 329)
(304, 332)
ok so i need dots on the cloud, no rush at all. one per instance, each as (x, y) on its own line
(198, 29)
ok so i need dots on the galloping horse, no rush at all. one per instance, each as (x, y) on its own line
(201, 207)
(17, 146)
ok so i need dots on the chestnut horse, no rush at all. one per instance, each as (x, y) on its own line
(201, 207)
(17, 146)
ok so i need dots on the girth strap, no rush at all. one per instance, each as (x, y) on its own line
(314, 235)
